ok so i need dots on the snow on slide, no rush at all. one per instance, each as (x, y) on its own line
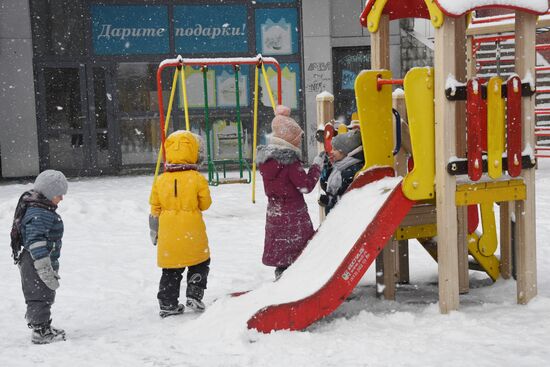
(316, 265)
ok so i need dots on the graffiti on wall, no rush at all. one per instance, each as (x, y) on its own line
(318, 77)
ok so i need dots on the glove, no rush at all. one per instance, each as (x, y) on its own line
(153, 228)
(46, 273)
(323, 200)
(320, 160)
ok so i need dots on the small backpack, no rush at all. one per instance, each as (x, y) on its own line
(16, 236)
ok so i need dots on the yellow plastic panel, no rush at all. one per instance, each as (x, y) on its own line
(436, 15)
(423, 231)
(488, 241)
(419, 98)
(373, 18)
(495, 127)
(490, 192)
(490, 264)
(375, 117)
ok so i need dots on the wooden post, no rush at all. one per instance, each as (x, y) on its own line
(445, 139)
(380, 59)
(380, 45)
(402, 258)
(471, 69)
(460, 128)
(325, 113)
(525, 210)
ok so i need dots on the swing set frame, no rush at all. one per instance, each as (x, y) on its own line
(180, 63)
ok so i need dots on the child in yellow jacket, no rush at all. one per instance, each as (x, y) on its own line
(177, 200)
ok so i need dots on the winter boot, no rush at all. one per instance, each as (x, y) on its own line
(279, 270)
(194, 296)
(46, 334)
(195, 304)
(171, 310)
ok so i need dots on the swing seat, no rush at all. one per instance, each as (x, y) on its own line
(228, 180)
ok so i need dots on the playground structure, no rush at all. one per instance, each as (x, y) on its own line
(456, 161)
(455, 169)
(180, 64)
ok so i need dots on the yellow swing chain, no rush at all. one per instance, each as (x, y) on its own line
(268, 87)
(255, 138)
(185, 104)
(255, 133)
(167, 123)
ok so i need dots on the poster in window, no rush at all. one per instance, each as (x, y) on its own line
(194, 82)
(290, 81)
(276, 31)
(225, 140)
(225, 87)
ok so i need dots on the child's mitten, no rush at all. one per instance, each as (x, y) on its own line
(153, 228)
(45, 271)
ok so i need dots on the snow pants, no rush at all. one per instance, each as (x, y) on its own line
(170, 281)
(38, 297)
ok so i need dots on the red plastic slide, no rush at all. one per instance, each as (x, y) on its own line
(300, 314)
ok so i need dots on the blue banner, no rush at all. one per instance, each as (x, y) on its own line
(276, 31)
(130, 29)
(210, 29)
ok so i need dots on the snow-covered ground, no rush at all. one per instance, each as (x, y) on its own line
(107, 299)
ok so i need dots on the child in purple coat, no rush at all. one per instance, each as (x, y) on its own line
(288, 226)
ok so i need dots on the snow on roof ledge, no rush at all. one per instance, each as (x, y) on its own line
(458, 7)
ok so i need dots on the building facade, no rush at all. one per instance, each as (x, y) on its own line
(78, 78)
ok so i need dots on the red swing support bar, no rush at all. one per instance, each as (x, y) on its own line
(234, 61)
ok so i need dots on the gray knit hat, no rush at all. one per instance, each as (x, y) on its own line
(347, 142)
(51, 183)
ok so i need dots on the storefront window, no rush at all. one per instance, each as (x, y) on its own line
(136, 87)
(348, 63)
(140, 140)
(97, 65)
(59, 27)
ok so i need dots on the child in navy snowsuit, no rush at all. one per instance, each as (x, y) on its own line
(41, 230)
(347, 159)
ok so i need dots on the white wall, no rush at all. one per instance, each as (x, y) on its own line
(328, 24)
(317, 61)
(18, 130)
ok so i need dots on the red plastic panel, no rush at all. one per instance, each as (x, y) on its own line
(474, 101)
(399, 10)
(329, 134)
(513, 113)
(300, 314)
(473, 218)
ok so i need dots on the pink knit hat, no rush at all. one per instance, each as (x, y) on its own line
(284, 126)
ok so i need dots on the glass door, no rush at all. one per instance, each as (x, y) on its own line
(63, 123)
(103, 142)
(76, 118)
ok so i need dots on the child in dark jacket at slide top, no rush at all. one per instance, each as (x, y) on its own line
(346, 160)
